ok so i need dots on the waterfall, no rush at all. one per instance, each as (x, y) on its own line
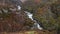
(30, 15)
(19, 7)
(36, 25)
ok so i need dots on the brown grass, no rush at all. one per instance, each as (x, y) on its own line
(30, 32)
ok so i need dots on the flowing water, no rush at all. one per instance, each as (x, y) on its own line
(19, 7)
(30, 15)
(35, 25)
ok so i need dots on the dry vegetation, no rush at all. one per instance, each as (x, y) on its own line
(30, 32)
(12, 23)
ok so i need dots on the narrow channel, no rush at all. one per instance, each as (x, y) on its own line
(35, 25)
(30, 15)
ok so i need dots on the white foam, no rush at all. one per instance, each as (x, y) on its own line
(36, 24)
(19, 7)
(29, 15)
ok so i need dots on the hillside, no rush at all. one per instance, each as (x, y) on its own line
(31, 15)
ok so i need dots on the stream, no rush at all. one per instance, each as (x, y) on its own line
(35, 25)
(30, 15)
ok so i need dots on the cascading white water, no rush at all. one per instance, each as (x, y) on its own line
(19, 7)
(36, 25)
(29, 15)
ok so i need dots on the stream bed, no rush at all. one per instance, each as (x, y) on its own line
(36, 25)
